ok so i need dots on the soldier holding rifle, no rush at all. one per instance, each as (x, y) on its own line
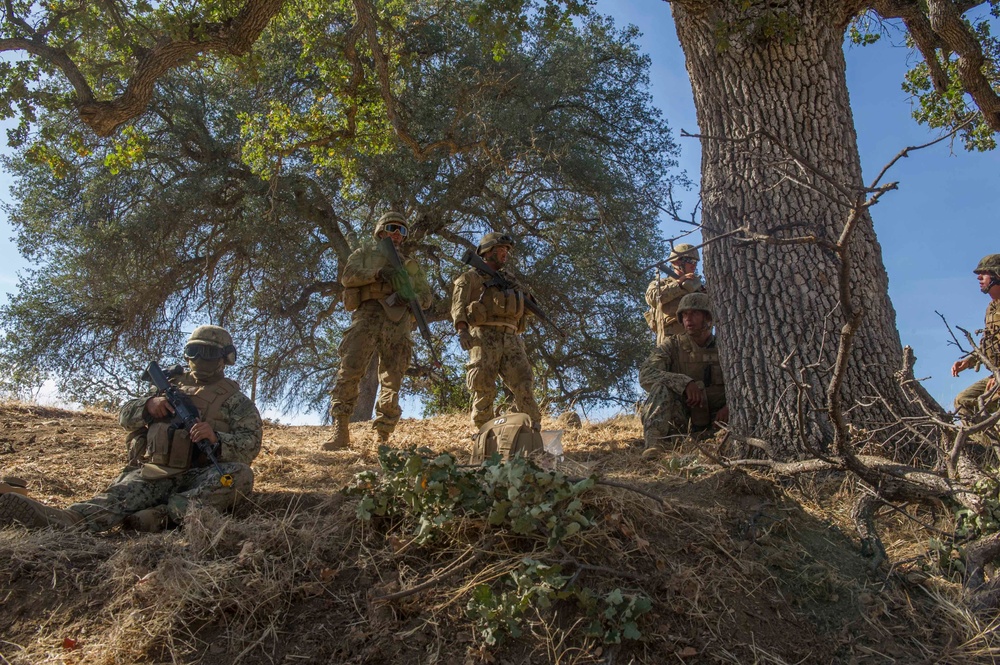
(202, 458)
(379, 296)
(490, 311)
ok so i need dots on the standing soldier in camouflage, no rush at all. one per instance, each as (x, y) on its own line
(489, 322)
(967, 402)
(664, 293)
(166, 473)
(381, 322)
(684, 378)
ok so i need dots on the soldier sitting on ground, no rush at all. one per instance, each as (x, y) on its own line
(166, 472)
(684, 378)
(967, 401)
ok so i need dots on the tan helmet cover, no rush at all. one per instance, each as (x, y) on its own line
(989, 263)
(391, 217)
(217, 337)
(684, 251)
(695, 301)
(493, 239)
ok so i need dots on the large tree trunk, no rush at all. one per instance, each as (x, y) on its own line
(775, 302)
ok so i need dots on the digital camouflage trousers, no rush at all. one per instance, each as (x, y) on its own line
(132, 493)
(497, 352)
(665, 414)
(371, 332)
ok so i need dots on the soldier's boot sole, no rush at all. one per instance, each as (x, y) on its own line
(150, 520)
(18, 509)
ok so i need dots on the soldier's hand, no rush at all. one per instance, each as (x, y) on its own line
(158, 407)
(386, 274)
(694, 396)
(961, 366)
(465, 339)
(201, 431)
(723, 415)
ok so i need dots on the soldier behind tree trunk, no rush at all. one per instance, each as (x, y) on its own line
(967, 401)
(664, 294)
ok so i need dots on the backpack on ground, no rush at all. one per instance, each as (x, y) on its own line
(508, 435)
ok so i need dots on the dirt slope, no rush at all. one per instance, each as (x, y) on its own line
(738, 570)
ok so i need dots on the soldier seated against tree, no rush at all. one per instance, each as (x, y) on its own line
(684, 378)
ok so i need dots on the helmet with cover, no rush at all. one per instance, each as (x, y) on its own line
(989, 263)
(683, 251)
(210, 343)
(695, 301)
(493, 239)
(391, 217)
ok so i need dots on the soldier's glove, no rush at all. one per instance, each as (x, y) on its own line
(386, 274)
(465, 339)
(401, 284)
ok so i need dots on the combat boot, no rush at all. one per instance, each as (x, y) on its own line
(340, 438)
(18, 509)
(15, 485)
(150, 520)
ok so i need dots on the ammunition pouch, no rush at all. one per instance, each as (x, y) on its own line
(509, 436)
(169, 450)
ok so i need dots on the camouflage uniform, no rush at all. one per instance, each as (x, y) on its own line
(663, 295)
(495, 319)
(237, 425)
(665, 376)
(381, 323)
(967, 401)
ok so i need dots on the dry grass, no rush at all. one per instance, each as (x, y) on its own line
(739, 568)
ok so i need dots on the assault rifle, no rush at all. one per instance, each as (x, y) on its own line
(389, 250)
(664, 267)
(496, 279)
(185, 415)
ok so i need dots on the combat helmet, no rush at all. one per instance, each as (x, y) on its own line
(210, 343)
(491, 240)
(391, 217)
(695, 301)
(683, 251)
(989, 263)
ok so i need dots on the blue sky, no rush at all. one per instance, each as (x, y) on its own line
(933, 230)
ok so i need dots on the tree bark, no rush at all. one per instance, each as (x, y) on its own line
(780, 159)
(367, 393)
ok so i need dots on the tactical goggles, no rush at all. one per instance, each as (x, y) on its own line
(395, 228)
(195, 351)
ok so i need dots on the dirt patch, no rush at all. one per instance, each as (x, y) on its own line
(737, 569)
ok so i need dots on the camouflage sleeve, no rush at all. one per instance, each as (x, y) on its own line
(652, 292)
(132, 415)
(246, 431)
(671, 289)
(657, 370)
(360, 269)
(460, 295)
